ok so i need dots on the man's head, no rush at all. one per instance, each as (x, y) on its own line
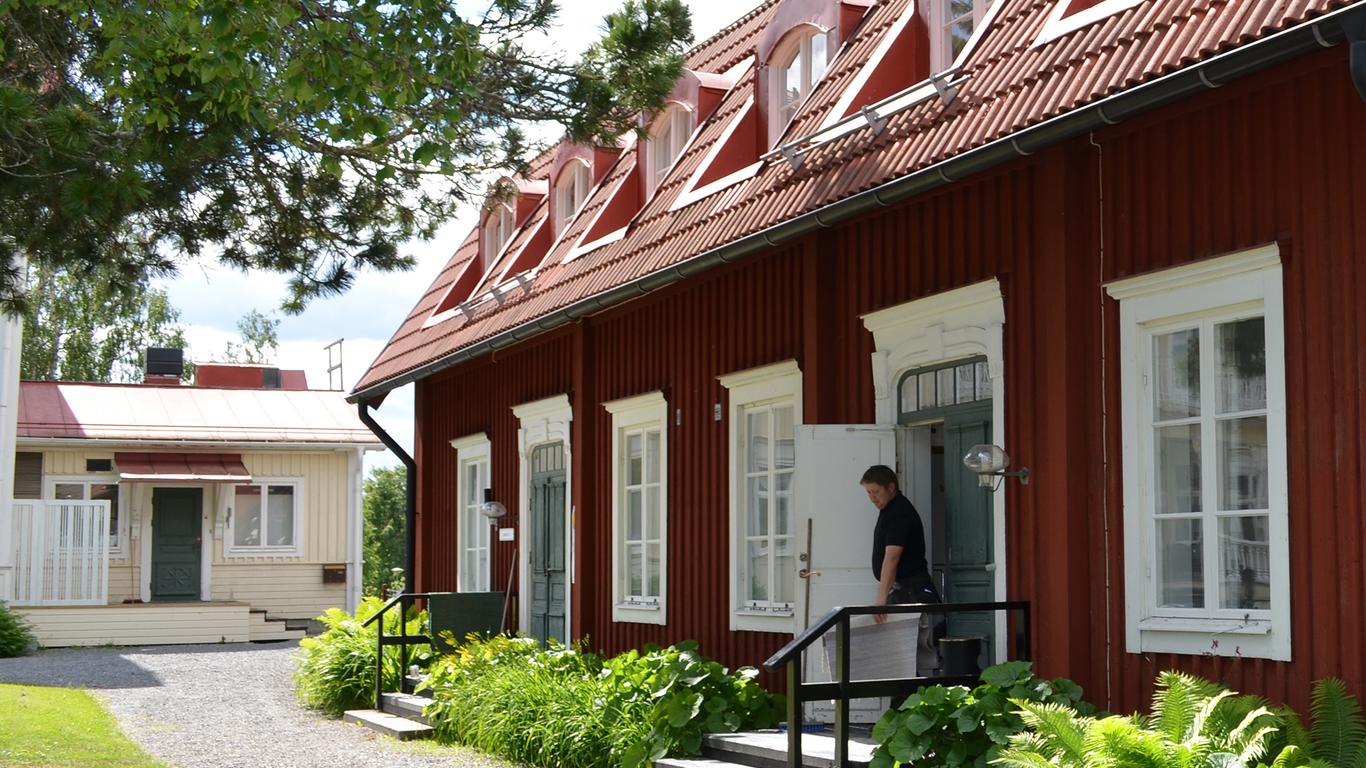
(880, 483)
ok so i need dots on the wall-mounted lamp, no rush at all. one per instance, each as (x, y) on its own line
(491, 509)
(990, 462)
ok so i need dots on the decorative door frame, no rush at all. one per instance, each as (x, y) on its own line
(541, 422)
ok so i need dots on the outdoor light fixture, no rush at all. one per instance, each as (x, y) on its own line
(989, 462)
(491, 509)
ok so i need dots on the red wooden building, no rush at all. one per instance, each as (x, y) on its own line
(1119, 239)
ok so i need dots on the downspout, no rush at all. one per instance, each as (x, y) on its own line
(409, 495)
(1326, 31)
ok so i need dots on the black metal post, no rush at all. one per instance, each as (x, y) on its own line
(842, 706)
(379, 661)
(794, 712)
(403, 647)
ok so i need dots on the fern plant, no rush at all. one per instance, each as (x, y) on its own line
(1195, 724)
(1337, 738)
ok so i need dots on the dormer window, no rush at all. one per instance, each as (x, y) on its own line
(571, 190)
(670, 132)
(497, 231)
(795, 68)
(951, 26)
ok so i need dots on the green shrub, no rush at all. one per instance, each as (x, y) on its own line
(15, 637)
(1337, 737)
(336, 670)
(955, 726)
(1195, 724)
(565, 707)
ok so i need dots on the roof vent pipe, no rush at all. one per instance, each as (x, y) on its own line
(1354, 27)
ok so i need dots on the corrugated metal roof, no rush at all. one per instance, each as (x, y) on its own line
(53, 409)
(1010, 84)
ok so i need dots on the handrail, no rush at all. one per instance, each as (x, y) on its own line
(403, 640)
(843, 689)
(381, 611)
(827, 621)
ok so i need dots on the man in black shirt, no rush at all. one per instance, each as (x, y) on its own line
(898, 544)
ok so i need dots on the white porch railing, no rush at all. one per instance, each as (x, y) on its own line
(63, 552)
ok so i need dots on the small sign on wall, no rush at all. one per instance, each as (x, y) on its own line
(507, 534)
(334, 573)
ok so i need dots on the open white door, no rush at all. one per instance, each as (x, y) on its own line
(830, 461)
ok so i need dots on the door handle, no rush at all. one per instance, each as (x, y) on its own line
(807, 573)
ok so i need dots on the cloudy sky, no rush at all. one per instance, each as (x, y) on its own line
(212, 298)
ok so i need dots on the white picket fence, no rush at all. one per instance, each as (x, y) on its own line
(63, 552)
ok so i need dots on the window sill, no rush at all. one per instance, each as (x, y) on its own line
(245, 552)
(1210, 626)
(1233, 638)
(638, 613)
(775, 620)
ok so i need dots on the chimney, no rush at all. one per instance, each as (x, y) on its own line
(163, 366)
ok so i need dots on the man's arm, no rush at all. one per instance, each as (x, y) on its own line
(891, 556)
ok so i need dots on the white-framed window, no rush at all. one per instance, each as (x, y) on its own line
(669, 135)
(1206, 499)
(266, 518)
(92, 488)
(952, 23)
(640, 461)
(797, 64)
(497, 231)
(765, 408)
(571, 190)
(472, 480)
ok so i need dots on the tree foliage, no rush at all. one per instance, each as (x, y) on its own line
(259, 339)
(89, 327)
(307, 137)
(384, 527)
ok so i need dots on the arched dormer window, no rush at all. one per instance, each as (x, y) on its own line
(797, 64)
(498, 229)
(668, 134)
(571, 190)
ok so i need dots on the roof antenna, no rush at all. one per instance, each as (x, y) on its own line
(334, 364)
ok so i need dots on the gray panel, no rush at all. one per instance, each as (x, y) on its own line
(28, 475)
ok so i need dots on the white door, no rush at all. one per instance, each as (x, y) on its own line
(834, 508)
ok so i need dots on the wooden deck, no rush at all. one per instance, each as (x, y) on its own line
(150, 624)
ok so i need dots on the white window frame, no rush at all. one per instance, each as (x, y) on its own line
(498, 229)
(797, 44)
(639, 415)
(116, 538)
(1245, 284)
(671, 132)
(472, 450)
(230, 546)
(571, 192)
(778, 384)
(942, 56)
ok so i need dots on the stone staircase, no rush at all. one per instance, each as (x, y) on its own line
(400, 716)
(264, 629)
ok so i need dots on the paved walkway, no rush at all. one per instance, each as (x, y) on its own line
(223, 706)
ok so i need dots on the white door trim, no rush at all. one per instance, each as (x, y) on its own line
(961, 323)
(541, 422)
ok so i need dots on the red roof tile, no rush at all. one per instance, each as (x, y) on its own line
(1010, 84)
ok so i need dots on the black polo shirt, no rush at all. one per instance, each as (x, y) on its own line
(898, 525)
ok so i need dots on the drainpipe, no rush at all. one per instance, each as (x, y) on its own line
(409, 495)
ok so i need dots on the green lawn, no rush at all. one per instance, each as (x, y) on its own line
(62, 728)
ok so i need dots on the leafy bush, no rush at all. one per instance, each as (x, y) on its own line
(955, 726)
(565, 707)
(1195, 724)
(15, 637)
(336, 670)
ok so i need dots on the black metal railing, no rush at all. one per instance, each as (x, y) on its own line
(405, 601)
(842, 689)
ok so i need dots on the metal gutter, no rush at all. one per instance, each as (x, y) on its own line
(1325, 31)
(409, 494)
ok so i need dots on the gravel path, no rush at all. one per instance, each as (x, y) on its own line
(224, 706)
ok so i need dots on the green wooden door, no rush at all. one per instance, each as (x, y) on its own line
(549, 577)
(176, 543)
(969, 567)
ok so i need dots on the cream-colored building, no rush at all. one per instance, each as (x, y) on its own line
(226, 511)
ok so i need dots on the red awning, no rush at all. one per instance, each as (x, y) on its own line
(169, 468)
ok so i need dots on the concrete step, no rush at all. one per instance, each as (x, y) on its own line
(768, 749)
(390, 725)
(695, 762)
(406, 705)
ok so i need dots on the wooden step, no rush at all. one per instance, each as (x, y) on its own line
(263, 629)
(406, 705)
(768, 749)
(390, 725)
